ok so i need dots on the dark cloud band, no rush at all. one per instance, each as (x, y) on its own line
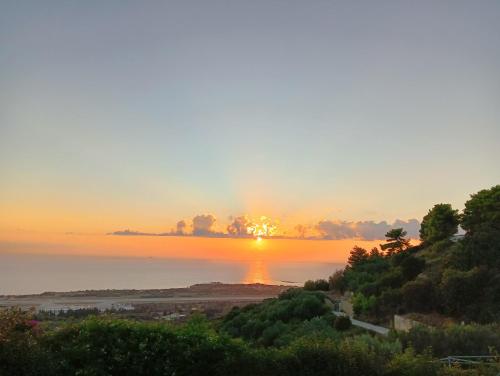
(204, 225)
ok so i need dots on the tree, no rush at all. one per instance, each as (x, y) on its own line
(412, 266)
(342, 323)
(418, 295)
(440, 223)
(481, 220)
(362, 304)
(375, 253)
(396, 241)
(482, 211)
(337, 282)
(389, 301)
(357, 256)
(459, 289)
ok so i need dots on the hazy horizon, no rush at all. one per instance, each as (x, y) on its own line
(44, 272)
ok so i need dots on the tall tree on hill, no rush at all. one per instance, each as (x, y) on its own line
(482, 211)
(396, 241)
(440, 223)
(374, 253)
(357, 256)
(481, 221)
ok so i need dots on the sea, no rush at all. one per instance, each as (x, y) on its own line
(38, 273)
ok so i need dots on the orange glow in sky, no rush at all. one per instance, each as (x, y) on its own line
(249, 249)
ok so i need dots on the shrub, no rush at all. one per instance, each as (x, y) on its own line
(418, 295)
(342, 323)
(290, 309)
(317, 285)
(459, 289)
(364, 305)
(20, 353)
(454, 340)
(410, 364)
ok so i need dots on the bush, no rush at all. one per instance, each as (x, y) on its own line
(20, 353)
(101, 346)
(317, 285)
(418, 295)
(364, 305)
(454, 340)
(342, 323)
(106, 346)
(389, 301)
(411, 267)
(269, 322)
(460, 289)
(410, 364)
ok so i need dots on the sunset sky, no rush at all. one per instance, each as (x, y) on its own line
(136, 115)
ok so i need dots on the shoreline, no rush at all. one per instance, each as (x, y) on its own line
(130, 299)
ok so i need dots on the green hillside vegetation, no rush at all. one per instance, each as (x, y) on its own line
(278, 322)
(459, 278)
(108, 346)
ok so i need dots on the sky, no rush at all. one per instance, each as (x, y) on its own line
(136, 115)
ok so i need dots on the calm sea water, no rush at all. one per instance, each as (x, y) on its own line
(29, 274)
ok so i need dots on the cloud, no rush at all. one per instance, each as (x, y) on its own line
(412, 226)
(364, 230)
(335, 230)
(130, 233)
(302, 230)
(243, 226)
(371, 230)
(239, 226)
(181, 227)
(203, 225)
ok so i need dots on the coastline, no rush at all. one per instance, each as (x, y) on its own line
(203, 295)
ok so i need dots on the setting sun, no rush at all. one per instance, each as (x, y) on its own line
(264, 226)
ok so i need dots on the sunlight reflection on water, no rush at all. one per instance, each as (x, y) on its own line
(258, 272)
(26, 274)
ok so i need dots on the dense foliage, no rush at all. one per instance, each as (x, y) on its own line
(440, 223)
(317, 285)
(457, 278)
(276, 322)
(396, 241)
(106, 346)
(453, 339)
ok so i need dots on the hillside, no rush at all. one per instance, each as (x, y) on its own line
(451, 276)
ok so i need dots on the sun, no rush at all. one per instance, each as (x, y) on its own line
(258, 243)
(262, 227)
